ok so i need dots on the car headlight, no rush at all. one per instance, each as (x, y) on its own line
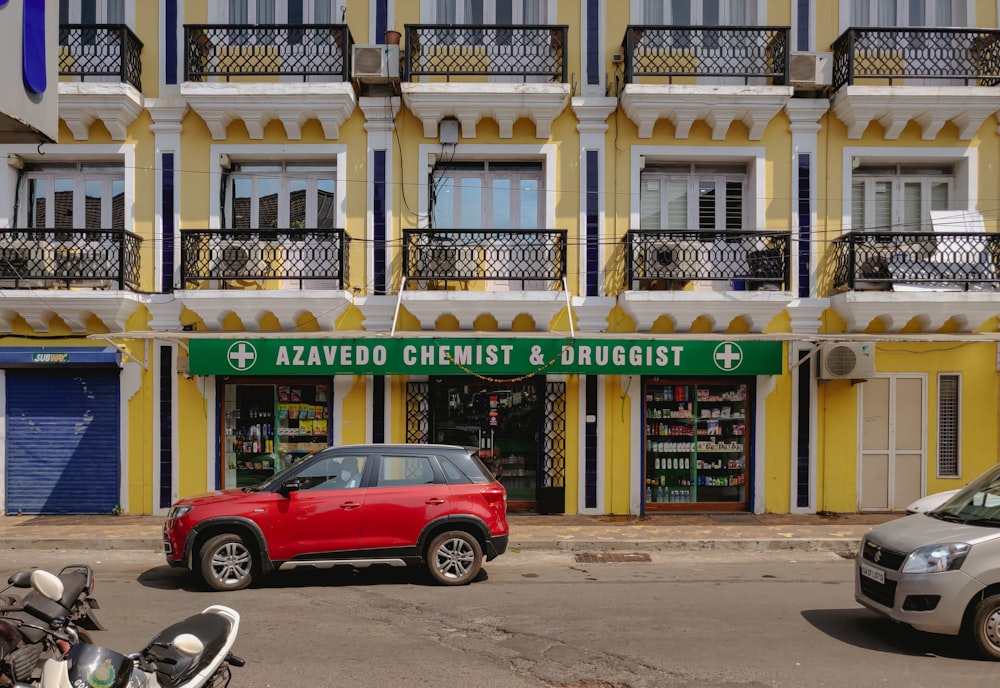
(936, 558)
(178, 511)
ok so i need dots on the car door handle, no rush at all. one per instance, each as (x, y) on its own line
(434, 501)
(349, 505)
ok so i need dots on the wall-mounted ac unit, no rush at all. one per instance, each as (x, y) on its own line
(672, 259)
(811, 71)
(375, 64)
(846, 361)
(233, 263)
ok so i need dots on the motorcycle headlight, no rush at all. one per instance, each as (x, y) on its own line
(178, 511)
(936, 558)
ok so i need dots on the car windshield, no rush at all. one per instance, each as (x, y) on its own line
(978, 503)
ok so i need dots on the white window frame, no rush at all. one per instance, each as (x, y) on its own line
(963, 161)
(428, 12)
(335, 154)
(756, 11)
(754, 216)
(284, 178)
(103, 12)
(280, 11)
(898, 180)
(963, 13)
(486, 204)
(693, 179)
(80, 178)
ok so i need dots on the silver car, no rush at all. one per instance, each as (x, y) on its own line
(939, 571)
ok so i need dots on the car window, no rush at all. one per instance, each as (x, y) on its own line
(398, 470)
(332, 473)
(451, 473)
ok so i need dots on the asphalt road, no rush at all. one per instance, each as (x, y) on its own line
(706, 620)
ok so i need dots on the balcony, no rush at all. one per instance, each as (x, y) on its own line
(100, 78)
(252, 272)
(928, 276)
(931, 76)
(467, 273)
(250, 74)
(472, 72)
(85, 273)
(691, 274)
(717, 75)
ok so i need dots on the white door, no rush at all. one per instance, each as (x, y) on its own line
(892, 442)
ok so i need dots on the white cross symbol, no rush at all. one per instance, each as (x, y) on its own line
(243, 354)
(730, 356)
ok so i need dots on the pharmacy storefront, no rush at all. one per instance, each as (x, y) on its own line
(506, 397)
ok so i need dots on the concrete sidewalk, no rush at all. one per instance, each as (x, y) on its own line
(830, 532)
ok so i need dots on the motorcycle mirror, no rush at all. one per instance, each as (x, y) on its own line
(188, 645)
(47, 584)
(21, 579)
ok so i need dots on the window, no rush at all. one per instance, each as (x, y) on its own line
(481, 12)
(908, 13)
(707, 197)
(281, 196)
(75, 196)
(949, 395)
(899, 197)
(332, 473)
(399, 471)
(488, 195)
(699, 12)
(279, 12)
(91, 11)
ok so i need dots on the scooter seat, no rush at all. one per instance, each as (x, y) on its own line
(174, 668)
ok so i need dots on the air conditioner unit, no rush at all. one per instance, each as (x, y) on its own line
(672, 260)
(375, 64)
(846, 361)
(233, 263)
(811, 71)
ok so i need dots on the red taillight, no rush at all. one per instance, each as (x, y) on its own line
(494, 494)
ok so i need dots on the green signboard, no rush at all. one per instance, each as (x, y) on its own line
(504, 357)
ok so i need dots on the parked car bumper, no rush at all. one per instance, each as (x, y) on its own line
(947, 593)
(496, 546)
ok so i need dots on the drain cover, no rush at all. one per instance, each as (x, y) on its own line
(609, 557)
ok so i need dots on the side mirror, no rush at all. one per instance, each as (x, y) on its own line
(21, 579)
(290, 485)
(47, 584)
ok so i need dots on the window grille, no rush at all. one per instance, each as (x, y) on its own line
(949, 394)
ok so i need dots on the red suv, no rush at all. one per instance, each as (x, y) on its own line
(412, 504)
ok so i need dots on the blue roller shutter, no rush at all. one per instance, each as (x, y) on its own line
(62, 441)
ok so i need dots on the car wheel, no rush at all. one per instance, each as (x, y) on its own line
(985, 629)
(454, 558)
(226, 563)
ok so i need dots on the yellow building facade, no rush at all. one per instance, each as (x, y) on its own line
(645, 257)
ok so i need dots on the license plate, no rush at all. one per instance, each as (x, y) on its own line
(875, 574)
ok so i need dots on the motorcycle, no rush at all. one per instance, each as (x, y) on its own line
(76, 599)
(191, 653)
(38, 626)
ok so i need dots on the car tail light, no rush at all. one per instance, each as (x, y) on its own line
(494, 494)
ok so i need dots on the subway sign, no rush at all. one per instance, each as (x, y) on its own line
(513, 356)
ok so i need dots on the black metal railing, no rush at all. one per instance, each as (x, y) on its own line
(100, 51)
(534, 258)
(929, 260)
(668, 259)
(521, 52)
(740, 53)
(292, 50)
(46, 258)
(967, 56)
(313, 258)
